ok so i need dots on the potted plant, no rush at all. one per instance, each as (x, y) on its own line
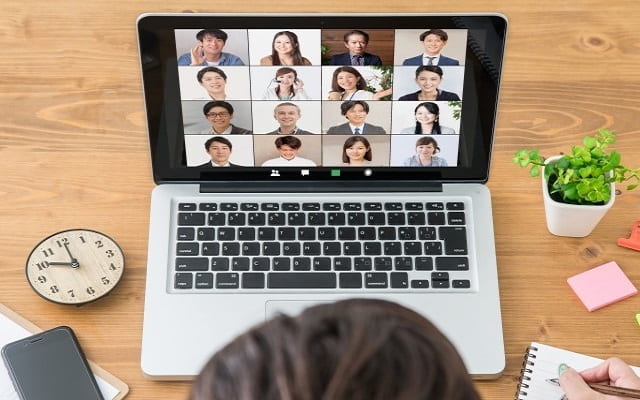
(579, 188)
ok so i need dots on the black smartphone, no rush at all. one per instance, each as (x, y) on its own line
(50, 366)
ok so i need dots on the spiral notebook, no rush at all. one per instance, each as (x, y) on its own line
(541, 363)
(14, 327)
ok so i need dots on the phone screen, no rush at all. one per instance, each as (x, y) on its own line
(50, 366)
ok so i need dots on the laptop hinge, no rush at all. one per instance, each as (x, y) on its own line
(320, 186)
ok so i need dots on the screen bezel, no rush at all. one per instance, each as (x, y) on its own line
(158, 60)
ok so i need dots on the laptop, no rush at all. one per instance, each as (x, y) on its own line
(304, 159)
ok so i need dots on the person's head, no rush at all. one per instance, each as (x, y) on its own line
(356, 349)
(286, 78)
(288, 146)
(355, 111)
(356, 41)
(427, 113)
(219, 149)
(429, 77)
(434, 41)
(356, 149)
(212, 41)
(219, 114)
(287, 115)
(347, 78)
(213, 79)
(285, 44)
(426, 147)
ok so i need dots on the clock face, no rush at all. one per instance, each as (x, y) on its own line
(75, 266)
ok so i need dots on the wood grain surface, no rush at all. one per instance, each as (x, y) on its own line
(74, 154)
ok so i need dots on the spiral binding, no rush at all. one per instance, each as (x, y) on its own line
(528, 361)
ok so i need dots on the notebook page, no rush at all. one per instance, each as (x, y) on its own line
(545, 366)
(10, 332)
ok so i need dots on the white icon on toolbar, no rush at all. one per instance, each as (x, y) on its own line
(304, 172)
(275, 172)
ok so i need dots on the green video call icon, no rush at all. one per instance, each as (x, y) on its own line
(335, 172)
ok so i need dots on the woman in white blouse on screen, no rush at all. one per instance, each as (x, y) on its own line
(288, 86)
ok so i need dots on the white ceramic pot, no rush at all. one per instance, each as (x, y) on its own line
(573, 220)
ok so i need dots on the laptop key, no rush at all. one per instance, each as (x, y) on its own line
(403, 263)
(396, 218)
(192, 264)
(386, 233)
(461, 284)
(455, 240)
(310, 206)
(356, 218)
(276, 218)
(412, 248)
(270, 249)
(423, 264)
(406, 233)
(291, 248)
(301, 280)
(362, 264)
(352, 207)
(183, 280)
(257, 219)
(366, 233)
(372, 248)
(455, 218)
(395, 206)
(301, 264)
(219, 264)
(187, 206)
(270, 207)
(373, 206)
(215, 219)
(208, 207)
(375, 280)
(382, 263)
(350, 280)
(331, 207)
(336, 218)
(305, 234)
(249, 206)
(352, 248)
(227, 280)
(225, 234)
(316, 219)
(229, 207)
(237, 219)
(290, 206)
(253, 280)
(435, 206)
(375, 218)
(230, 249)
(311, 248)
(204, 280)
(416, 218)
(266, 234)
(190, 219)
(240, 263)
(286, 233)
(326, 233)
(435, 218)
(186, 233)
(452, 263)
(245, 234)
(331, 248)
(427, 233)
(210, 249)
(296, 218)
(458, 205)
(261, 264)
(432, 248)
(342, 264)
(322, 264)
(419, 284)
(206, 233)
(399, 280)
(346, 233)
(414, 206)
(281, 264)
(187, 248)
(392, 248)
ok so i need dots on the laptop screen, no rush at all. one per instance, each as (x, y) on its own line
(304, 97)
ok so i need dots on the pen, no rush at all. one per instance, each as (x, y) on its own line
(607, 389)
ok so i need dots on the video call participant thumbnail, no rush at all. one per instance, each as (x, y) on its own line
(219, 114)
(433, 41)
(288, 147)
(289, 86)
(219, 149)
(214, 81)
(208, 51)
(429, 79)
(356, 152)
(287, 115)
(356, 41)
(427, 116)
(426, 149)
(356, 113)
(348, 83)
(285, 50)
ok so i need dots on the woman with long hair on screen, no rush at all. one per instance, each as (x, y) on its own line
(427, 116)
(287, 86)
(349, 84)
(285, 50)
(356, 151)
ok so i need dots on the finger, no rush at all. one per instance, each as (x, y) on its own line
(611, 370)
(573, 385)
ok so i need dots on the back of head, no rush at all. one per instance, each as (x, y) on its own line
(353, 349)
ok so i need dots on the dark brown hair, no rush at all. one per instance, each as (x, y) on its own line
(351, 140)
(360, 84)
(297, 56)
(353, 349)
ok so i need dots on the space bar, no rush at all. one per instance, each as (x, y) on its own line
(304, 280)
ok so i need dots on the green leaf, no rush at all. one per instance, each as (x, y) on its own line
(534, 172)
(589, 142)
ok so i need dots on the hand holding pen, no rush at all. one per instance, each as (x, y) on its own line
(615, 381)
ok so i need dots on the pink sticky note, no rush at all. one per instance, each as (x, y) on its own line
(601, 286)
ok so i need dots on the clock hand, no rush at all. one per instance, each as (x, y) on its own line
(73, 264)
(74, 261)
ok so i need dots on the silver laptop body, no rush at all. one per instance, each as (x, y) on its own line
(185, 325)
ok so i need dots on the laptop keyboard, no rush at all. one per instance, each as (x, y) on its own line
(249, 246)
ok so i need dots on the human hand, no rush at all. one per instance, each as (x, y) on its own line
(612, 371)
(298, 84)
(334, 96)
(381, 94)
(197, 55)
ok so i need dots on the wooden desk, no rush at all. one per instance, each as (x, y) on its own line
(73, 153)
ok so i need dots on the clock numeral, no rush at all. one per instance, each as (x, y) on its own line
(54, 289)
(71, 294)
(42, 265)
(42, 279)
(62, 241)
(82, 239)
(99, 243)
(112, 267)
(47, 252)
(91, 290)
(109, 253)
(105, 280)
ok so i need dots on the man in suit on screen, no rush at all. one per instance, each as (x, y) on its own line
(356, 42)
(355, 111)
(433, 41)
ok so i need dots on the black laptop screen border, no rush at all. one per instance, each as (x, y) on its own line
(485, 50)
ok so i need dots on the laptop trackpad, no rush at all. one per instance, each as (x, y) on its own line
(289, 307)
